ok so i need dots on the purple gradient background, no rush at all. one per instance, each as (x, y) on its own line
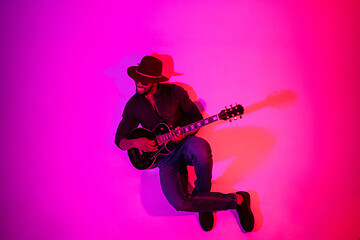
(64, 85)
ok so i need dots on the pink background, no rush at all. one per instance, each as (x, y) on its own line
(64, 86)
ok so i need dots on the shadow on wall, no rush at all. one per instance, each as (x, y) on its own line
(126, 86)
(245, 146)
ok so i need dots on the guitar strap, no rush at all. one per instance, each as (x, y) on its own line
(151, 99)
(167, 102)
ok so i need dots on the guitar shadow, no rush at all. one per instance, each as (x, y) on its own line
(236, 150)
(246, 147)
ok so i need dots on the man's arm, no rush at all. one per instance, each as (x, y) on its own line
(143, 144)
(191, 111)
(188, 107)
(126, 125)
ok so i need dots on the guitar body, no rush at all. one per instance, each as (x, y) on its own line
(161, 134)
(146, 160)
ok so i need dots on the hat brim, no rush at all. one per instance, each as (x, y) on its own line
(134, 75)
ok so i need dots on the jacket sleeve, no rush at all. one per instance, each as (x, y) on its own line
(188, 107)
(126, 125)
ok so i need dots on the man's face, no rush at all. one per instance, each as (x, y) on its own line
(143, 88)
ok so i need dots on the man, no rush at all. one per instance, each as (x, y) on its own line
(155, 103)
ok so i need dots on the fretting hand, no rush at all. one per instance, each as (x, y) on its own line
(176, 137)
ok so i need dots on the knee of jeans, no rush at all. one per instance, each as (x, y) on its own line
(179, 204)
(200, 147)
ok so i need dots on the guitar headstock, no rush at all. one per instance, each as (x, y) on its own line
(232, 112)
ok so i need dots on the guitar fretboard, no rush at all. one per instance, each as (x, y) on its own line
(188, 128)
(197, 125)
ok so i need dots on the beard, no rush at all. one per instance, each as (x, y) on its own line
(142, 91)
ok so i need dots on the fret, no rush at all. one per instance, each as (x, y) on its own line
(199, 124)
(188, 128)
(160, 139)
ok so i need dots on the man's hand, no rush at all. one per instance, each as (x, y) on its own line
(145, 145)
(176, 137)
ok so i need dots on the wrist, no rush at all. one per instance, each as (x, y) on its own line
(126, 144)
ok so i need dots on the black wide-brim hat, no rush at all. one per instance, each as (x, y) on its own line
(149, 70)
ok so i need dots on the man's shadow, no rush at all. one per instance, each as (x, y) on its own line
(241, 148)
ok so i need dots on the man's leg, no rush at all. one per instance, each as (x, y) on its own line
(197, 153)
(170, 179)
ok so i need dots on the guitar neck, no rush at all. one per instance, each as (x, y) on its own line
(188, 128)
(197, 125)
(224, 115)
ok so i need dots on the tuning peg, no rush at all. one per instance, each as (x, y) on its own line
(230, 120)
(235, 118)
(231, 105)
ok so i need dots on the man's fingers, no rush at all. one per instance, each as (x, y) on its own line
(147, 145)
(152, 146)
(176, 137)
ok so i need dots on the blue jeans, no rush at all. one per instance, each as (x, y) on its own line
(193, 151)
